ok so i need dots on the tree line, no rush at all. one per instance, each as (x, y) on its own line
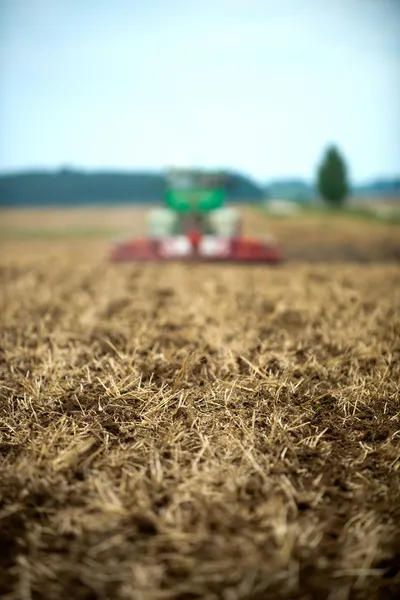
(72, 188)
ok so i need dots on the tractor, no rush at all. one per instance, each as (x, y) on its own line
(196, 225)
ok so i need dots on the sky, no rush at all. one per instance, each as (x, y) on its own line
(260, 86)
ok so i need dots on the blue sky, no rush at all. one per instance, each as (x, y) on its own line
(257, 85)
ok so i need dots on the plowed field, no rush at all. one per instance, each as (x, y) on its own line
(201, 432)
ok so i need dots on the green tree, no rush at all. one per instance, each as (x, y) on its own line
(332, 181)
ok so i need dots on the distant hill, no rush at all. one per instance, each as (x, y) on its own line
(290, 189)
(303, 191)
(385, 188)
(78, 188)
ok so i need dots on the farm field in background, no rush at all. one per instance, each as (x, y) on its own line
(199, 432)
(312, 236)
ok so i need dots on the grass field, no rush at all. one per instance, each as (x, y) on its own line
(199, 432)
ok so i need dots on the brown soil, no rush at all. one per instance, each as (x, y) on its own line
(198, 432)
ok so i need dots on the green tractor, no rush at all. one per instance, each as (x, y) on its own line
(196, 224)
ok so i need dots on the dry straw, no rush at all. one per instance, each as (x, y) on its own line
(199, 433)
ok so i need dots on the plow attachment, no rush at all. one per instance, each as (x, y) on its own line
(197, 249)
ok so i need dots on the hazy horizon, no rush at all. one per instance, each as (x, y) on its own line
(288, 178)
(260, 87)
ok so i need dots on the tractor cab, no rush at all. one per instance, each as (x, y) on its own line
(194, 206)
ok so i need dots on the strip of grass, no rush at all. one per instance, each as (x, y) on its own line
(350, 212)
(356, 212)
(51, 234)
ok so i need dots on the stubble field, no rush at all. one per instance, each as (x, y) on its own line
(200, 432)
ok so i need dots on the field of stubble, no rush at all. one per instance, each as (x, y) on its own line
(201, 432)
